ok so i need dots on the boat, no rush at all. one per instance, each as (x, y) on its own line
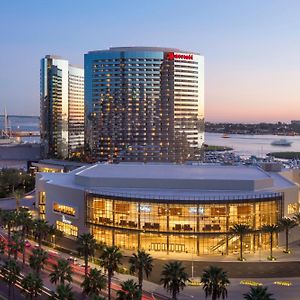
(5, 134)
(225, 136)
(281, 142)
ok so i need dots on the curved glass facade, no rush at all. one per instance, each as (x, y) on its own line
(183, 226)
(142, 104)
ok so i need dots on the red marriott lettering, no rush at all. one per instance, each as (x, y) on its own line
(172, 56)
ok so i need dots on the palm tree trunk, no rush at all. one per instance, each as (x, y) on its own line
(286, 240)
(8, 235)
(9, 291)
(141, 279)
(40, 241)
(24, 248)
(214, 295)
(241, 247)
(86, 264)
(109, 285)
(174, 297)
(271, 245)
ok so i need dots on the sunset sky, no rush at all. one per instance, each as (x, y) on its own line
(251, 48)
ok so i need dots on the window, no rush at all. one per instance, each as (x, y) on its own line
(64, 209)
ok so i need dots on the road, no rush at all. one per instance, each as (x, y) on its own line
(77, 268)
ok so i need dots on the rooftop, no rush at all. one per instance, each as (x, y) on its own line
(171, 181)
(145, 49)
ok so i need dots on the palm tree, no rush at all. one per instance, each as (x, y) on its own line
(141, 263)
(110, 259)
(174, 278)
(286, 224)
(10, 272)
(271, 229)
(38, 259)
(32, 285)
(8, 219)
(40, 230)
(2, 246)
(130, 290)
(16, 245)
(240, 230)
(93, 283)
(297, 217)
(258, 293)
(86, 248)
(96, 297)
(18, 195)
(24, 219)
(62, 272)
(53, 233)
(215, 281)
(63, 292)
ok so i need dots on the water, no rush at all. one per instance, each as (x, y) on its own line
(243, 145)
(247, 145)
(23, 123)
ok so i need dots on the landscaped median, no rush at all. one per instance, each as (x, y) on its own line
(285, 155)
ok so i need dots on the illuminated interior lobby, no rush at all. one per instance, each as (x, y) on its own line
(167, 208)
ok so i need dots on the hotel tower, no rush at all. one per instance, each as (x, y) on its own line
(62, 108)
(144, 104)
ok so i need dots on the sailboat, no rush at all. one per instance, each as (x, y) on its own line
(5, 134)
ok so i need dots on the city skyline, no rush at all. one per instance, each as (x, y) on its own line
(250, 49)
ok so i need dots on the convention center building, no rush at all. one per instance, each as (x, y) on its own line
(168, 208)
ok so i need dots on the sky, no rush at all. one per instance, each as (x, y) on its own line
(251, 48)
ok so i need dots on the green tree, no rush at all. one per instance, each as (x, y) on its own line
(63, 292)
(62, 272)
(174, 278)
(54, 233)
(96, 297)
(140, 263)
(297, 217)
(2, 246)
(258, 293)
(8, 219)
(18, 195)
(271, 229)
(286, 224)
(130, 290)
(10, 272)
(32, 285)
(86, 248)
(41, 230)
(240, 230)
(93, 283)
(38, 259)
(24, 219)
(110, 259)
(215, 282)
(15, 245)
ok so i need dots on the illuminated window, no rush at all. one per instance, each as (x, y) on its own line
(67, 229)
(64, 209)
(293, 208)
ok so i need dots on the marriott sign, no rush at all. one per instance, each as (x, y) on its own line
(172, 56)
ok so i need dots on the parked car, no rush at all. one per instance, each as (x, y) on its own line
(27, 244)
(72, 259)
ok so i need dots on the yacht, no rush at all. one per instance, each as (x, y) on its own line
(281, 142)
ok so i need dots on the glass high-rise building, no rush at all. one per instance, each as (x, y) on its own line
(62, 108)
(144, 104)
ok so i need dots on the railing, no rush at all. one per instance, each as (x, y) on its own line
(161, 198)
